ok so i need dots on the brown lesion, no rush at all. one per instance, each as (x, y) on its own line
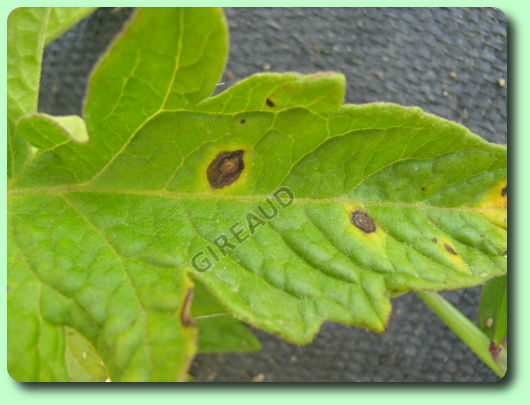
(450, 249)
(185, 313)
(362, 221)
(225, 168)
(494, 350)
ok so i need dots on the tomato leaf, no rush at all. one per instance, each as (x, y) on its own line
(62, 18)
(29, 29)
(46, 132)
(135, 313)
(289, 207)
(219, 330)
(83, 363)
(26, 30)
(493, 309)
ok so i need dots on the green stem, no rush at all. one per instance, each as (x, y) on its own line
(466, 330)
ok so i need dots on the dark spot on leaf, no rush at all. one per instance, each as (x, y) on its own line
(504, 191)
(449, 249)
(494, 350)
(269, 102)
(435, 240)
(423, 189)
(225, 169)
(362, 221)
(185, 313)
(242, 121)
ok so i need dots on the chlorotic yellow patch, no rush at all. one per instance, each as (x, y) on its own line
(451, 253)
(494, 205)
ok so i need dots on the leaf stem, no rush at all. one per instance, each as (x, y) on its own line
(466, 330)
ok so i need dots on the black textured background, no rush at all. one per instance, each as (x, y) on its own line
(451, 62)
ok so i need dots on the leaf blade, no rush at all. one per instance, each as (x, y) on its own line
(219, 331)
(35, 346)
(492, 314)
(112, 305)
(427, 211)
(62, 18)
(46, 132)
(140, 70)
(450, 262)
(82, 360)
(26, 28)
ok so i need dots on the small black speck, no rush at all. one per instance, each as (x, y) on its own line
(242, 121)
(269, 102)
(435, 240)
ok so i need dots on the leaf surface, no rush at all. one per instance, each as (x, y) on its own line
(493, 309)
(134, 312)
(62, 18)
(26, 30)
(45, 132)
(219, 331)
(289, 207)
(83, 363)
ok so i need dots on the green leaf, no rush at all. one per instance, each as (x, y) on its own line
(47, 132)
(134, 312)
(62, 18)
(364, 202)
(35, 345)
(493, 308)
(82, 361)
(218, 330)
(26, 29)
(29, 29)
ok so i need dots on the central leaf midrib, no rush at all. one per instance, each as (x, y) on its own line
(251, 198)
